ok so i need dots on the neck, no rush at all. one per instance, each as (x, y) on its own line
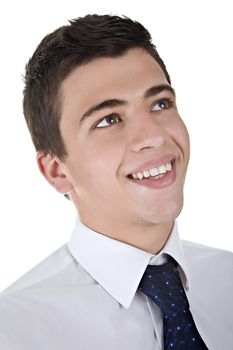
(148, 237)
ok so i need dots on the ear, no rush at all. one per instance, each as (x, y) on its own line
(53, 170)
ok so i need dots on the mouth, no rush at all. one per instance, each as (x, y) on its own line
(154, 173)
(156, 177)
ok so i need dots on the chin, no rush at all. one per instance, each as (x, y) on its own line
(173, 210)
(165, 212)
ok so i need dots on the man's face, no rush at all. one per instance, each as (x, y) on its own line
(138, 130)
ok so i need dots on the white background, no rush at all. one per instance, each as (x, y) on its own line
(195, 40)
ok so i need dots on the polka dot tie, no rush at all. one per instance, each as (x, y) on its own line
(163, 285)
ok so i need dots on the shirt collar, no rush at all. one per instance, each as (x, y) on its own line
(118, 267)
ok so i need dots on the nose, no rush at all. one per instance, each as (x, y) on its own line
(146, 133)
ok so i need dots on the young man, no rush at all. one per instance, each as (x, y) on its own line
(102, 113)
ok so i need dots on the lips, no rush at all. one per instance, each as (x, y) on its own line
(157, 182)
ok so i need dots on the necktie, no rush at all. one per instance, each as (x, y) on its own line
(163, 285)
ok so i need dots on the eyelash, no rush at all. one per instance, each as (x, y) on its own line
(167, 101)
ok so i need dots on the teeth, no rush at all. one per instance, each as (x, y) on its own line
(146, 173)
(162, 169)
(154, 172)
(140, 176)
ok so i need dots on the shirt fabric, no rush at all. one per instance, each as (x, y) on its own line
(85, 296)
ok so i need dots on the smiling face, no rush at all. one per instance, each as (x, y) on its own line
(109, 144)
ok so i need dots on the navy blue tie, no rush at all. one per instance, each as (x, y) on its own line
(163, 285)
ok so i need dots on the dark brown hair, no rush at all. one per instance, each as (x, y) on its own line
(84, 39)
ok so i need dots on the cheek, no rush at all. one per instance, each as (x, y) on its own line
(101, 159)
(184, 136)
(182, 140)
(179, 134)
(183, 133)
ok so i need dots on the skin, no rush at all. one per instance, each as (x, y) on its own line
(99, 159)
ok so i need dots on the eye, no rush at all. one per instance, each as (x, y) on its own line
(107, 121)
(163, 104)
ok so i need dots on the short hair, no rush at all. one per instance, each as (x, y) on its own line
(81, 41)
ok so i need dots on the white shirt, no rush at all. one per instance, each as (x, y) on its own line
(84, 296)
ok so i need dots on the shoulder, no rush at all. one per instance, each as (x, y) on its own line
(210, 290)
(209, 265)
(45, 271)
(202, 254)
(38, 305)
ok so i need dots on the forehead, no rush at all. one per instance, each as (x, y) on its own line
(122, 77)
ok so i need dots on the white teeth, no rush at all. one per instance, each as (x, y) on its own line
(162, 169)
(155, 172)
(140, 176)
(146, 173)
(168, 167)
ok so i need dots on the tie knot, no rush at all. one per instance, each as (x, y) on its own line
(163, 285)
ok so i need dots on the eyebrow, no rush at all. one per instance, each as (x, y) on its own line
(152, 91)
